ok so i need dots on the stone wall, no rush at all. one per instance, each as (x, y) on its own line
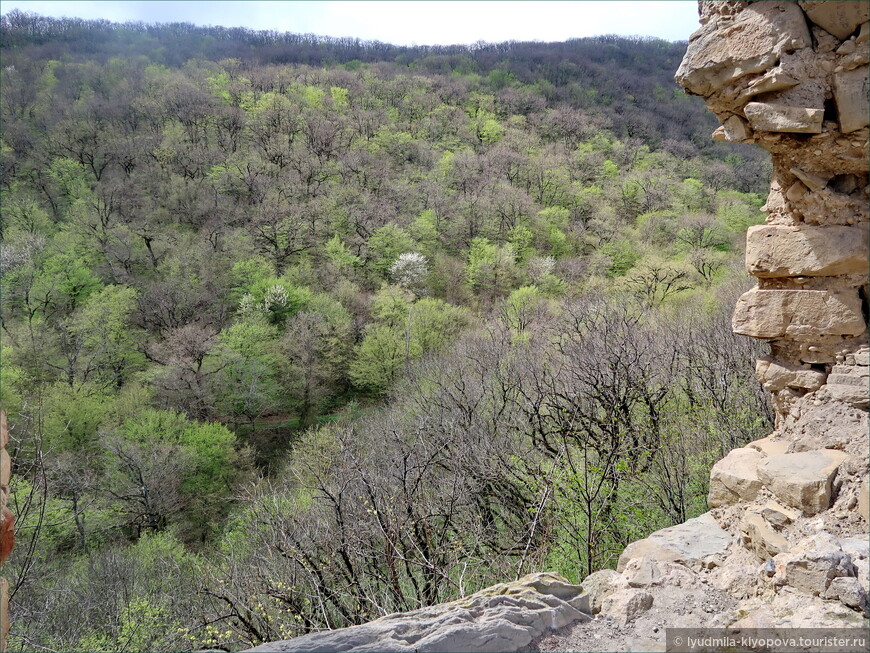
(791, 77)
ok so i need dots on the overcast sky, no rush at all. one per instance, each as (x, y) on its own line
(405, 23)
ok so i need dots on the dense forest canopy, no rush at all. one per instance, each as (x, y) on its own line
(333, 328)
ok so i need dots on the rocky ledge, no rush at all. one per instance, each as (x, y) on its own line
(505, 617)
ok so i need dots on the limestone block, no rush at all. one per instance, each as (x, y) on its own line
(505, 617)
(858, 549)
(783, 118)
(735, 478)
(848, 591)
(760, 538)
(778, 516)
(813, 182)
(775, 375)
(850, 384)
(600, 585)
(850, 93)
(813, 563)
(837, 18)
(798, 314)
(500, 636)
(775, 80)
(795, 192)
(862, 357)
(696, 543)
(626, 605)
(802, 480)
(805, 251)
(643, 572)
(769, 446)
(751, 43)
(736, 129)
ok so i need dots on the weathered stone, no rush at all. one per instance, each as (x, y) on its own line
(795, 192)
(850, 93)
(736, 129)
(601, 584)
(798, 314)
(863, 34)
(769, 446)
(786, 251)
(862, 357)
(838, 18)
(643, 572)
(759, 537)
(775, 375)
(696, 543)
(813, 563)
(848, 591)
(775, 80)
(778, 516)
(858, 550)
(813, 182)
(717, 55)
(802, 480)
(735, 478)
(625, 606)
(850, 383)
(767, 117)
(504, 617)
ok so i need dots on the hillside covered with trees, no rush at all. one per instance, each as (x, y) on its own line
(299, 331)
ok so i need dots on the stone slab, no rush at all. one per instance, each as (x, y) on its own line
(775, 375)
(505, 617)
(769, 446)
(735, 478)
(850, 94)
(696, 543)
(802, 480)
(785, 251)
(763, 116)
(798, 314)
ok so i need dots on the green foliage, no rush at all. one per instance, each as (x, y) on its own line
(339, 255)
(623, 256)
(275, 299)
(491, 268)
(108, 338)
(378, 358)
(384, 247)
(74, 415)
(391, 305)
(520, 306)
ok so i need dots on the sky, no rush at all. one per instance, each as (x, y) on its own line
(404, 23)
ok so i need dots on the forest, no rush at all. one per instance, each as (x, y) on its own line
(301, 331)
